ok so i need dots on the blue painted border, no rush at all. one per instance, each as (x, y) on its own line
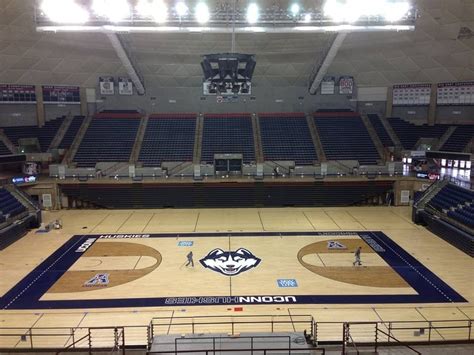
(430, 288)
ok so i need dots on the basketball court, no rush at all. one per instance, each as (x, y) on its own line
(107, 267)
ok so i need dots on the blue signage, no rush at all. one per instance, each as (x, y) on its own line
(287, 283)
(25, 179)
(185, 243)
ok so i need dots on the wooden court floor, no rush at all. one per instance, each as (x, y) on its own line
(446, 262)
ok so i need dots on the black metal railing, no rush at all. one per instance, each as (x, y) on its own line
(353, 334)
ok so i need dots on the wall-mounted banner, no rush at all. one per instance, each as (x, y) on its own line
(17, 94)
(107, 85)
(411, 95)
(327, 85)
(61, 94)
(346, 85)
(125, 86)
(460, 93)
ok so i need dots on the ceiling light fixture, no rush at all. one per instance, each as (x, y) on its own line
(202, 13)
(64, 11)
(252, 13)
(114, 10)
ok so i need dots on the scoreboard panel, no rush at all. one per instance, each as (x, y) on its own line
(61, 95)
(17, 94)
(460, 93)
(411, 95)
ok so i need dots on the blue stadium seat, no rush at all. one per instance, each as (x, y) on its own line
(459, 139)
(287, 137)
(346, 138)
(44, 134)
(409, 133)
(380, 130)
(168, 138)
(107, 140)
(9, 205)
(71, 132)
(4, 149)
(457, 202)
(231, 133)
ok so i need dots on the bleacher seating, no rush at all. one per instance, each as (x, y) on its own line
(287, 137)
(9, 205)
(456, 203)
(44, 134)
(345, 137)
(409, 133)
(168, 138)
(107, 140)
(4, 149)
(227, 133)
(380, 130)
(459, 139)
(71, 132)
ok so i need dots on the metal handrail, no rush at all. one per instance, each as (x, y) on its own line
(177, 340)
(398, 341)
(146, 339)
(235, 320)
(73, 344)
(208, 351)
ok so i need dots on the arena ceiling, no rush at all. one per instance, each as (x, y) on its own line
(434, 52)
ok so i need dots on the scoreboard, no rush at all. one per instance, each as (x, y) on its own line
(411, 95)
(61, 95)
(461, 93)
(17, 94)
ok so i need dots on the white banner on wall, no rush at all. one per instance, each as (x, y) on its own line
(327, 85)
(460, 93)
(346, 85)
(125, 86)
(411, 94)
(106, 84)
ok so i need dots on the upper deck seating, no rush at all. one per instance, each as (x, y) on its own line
(168, 137)
(345, 137)
(227, 134)
(44, 134)
(286, 136)
(107, 140)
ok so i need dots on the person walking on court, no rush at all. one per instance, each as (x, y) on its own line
(357, 257)
(190, 259)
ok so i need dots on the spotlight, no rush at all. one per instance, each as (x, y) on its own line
(295, 9)
(202, 13)
(114, 10)
(396, 11)
(181, 9)
(341, 12)
(352, 10)
(252, 13)
(64, 11)
(307, 18)
(156, 9)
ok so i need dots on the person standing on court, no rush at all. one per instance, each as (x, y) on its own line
(357, 257)
(190, 259)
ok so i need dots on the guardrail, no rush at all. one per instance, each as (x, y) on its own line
(232, 324)
(311, 350)
(405, 333)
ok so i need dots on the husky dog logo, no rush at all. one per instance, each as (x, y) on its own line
(230, 263)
